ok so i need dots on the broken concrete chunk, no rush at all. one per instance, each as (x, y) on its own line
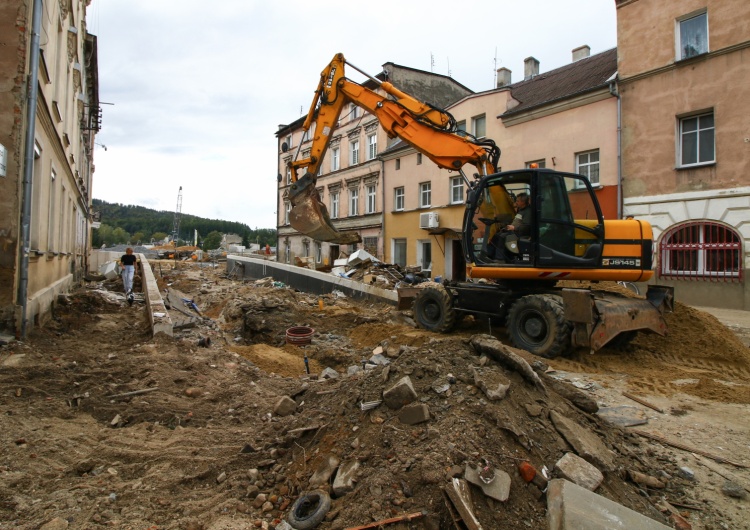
(400, 394)
(285, 406)
(623, 416)
(585, 443)
(459, 494)
(498, 488)
(413, 414)
(487, 344)
(494, 384)
(580, 472)
(732, 489)
(570, 506)
(345, 478)
(379, 359)
(329, 373)
(324, 472)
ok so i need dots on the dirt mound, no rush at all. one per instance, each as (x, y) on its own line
(103, 425)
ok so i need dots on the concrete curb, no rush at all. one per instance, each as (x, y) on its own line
(306, 280)
(154, 302)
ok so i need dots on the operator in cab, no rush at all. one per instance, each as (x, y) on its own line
(519, 227)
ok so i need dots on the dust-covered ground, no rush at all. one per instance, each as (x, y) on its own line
(102, 425)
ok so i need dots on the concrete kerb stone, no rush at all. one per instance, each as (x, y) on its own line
(158, 315)
(309, 281)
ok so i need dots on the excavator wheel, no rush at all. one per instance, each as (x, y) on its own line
(536, 323)
(433, 309)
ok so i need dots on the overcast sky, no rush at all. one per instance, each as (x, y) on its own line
(198, 89)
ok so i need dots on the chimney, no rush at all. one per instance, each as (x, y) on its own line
(530, 68)
(503, 77)
(581, 52)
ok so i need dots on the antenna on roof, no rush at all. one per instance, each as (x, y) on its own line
(449, 67)
(432, 62)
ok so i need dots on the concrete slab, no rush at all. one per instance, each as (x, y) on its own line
(571, 507)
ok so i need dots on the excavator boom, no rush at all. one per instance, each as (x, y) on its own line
(429, 130)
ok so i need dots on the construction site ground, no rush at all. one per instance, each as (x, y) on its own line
(104, 426)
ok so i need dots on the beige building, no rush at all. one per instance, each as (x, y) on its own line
(683, 70)
(351, 180)
(564, 119)
(49, 114)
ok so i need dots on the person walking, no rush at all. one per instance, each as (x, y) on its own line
(128, 269)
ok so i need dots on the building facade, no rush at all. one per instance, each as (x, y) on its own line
(351, 180)
(683, 68)
(49, 114)
(564, 119)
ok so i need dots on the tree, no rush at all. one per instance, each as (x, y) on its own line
(120, 236)
(212, 240)
(158, 237)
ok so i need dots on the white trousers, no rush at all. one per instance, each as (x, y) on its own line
(127, 277)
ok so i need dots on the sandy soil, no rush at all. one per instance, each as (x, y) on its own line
(104, 426)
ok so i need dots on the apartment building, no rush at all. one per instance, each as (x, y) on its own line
(351, 180)
(564, 119)
(683, 69)
(49, 114)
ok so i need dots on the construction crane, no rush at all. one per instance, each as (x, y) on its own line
(176, 226)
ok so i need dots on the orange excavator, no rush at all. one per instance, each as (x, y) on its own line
(515, 259)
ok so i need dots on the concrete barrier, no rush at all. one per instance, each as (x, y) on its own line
(307, 280)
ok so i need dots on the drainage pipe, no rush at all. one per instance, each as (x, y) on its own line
(614, 90)
(28, 166)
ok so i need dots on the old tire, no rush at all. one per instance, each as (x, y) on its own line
(433, 309)
(309, 510)
(536, 323)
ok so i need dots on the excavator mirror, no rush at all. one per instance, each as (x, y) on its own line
(284, 147)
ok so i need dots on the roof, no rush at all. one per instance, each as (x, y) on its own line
(581, 76)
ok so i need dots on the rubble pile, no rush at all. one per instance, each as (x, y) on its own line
(373, 424)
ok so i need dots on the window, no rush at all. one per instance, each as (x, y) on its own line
(398, 164)
(372, 146)
(701, 250)
(461, 128)
(399, 252)
(287, 210)
(479, 126)
(425, 255)
(288, 175)
(52, 213)
(398, 199)
(353, 202)
(335, 159)
(335, 205)
(354, 112)
(288, 251)
(456, 190)
(354, 153)
(318, 252)
(587, 164)
(370, 244)
(697, 140)
(306, 248)
(370, 192)
(425, 194)
(693, 36)
(288, 141)
(419, 158)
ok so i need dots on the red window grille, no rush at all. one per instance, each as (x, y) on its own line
(701, 251)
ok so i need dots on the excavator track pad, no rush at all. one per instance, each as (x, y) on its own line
(309, 215)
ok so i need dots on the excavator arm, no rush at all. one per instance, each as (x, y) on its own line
(429, 130)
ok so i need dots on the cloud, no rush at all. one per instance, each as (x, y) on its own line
(199, 90)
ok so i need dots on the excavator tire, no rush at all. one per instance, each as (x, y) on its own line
(536, 323)
(433, 310)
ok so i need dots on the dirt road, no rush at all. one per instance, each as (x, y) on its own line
(104, 426)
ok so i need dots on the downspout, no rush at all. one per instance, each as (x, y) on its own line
(28, 167)
(382, 206)
(613, 89)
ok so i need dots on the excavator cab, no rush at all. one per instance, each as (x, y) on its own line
(566, 226)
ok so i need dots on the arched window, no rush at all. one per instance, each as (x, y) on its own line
(701, 250)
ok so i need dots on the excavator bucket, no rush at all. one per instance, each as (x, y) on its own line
(599, 318)
(309, 215)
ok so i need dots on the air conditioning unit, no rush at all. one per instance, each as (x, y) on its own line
(428, 220)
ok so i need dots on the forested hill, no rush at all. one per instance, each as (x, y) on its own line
(122, 223)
